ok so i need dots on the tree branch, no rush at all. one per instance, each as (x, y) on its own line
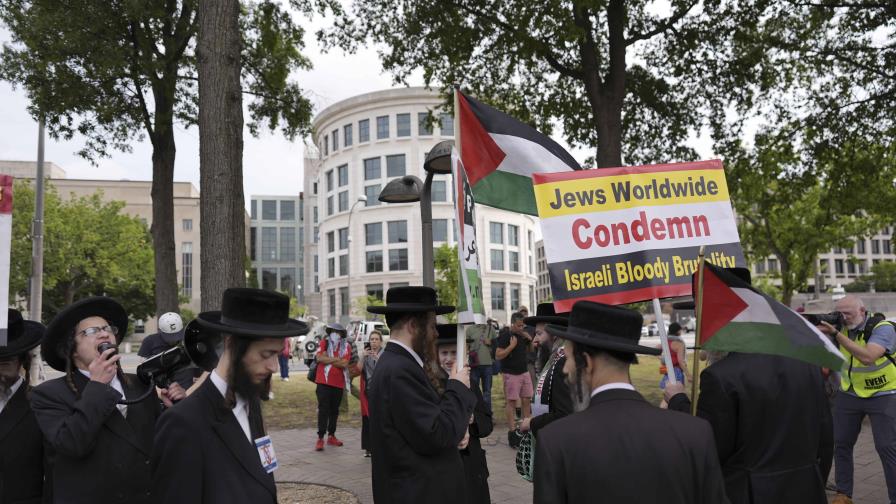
(135, 78)
(662, 27)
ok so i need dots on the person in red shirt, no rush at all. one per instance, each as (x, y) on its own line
(332, 375)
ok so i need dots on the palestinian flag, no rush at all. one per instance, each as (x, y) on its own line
(501, 153)
(735, 317)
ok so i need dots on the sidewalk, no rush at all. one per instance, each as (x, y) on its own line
(347, 468)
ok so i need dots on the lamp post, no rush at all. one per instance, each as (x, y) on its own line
(348, 262)
(409, 188)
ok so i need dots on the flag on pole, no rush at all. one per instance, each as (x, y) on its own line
(735, 317)
(470, 308)
(501, 153)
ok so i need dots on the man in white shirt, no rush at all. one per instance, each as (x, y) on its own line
(212, 447)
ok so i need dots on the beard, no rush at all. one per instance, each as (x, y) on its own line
(580, 392)
(245, 387)
(423, 346)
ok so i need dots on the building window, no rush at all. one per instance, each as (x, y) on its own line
(331, 241)
(326, 144)
(447, 124)
(186, 268)
(269, 279)
(331, 267)
(514, 296)
(287, 210)
(440, 230)
(252, 210)
(382, 127)
(497, 260)
(398, 260)
(424, 128)
(343, 264)
(288, 281)
(513, 235)
(343, 175)
(850, 268)
(530, 239)
(838, 267)
(269, 244)
(375, 261)
(269, 210)
(760, 267)
(395, 165)
(253, 238)
(331, 294)
(398, 231)
(345, 301)
(772, 265)
(364, 130)
(496, 232)
(314, 214)
(875, 246)
(373, 233)
(513, 261)
(372, 169)
(860, 246)
(335, 135)
(439, 190)
(403, 125)
(329, 176)
(343, 201)
(347, 135)
(497, 295)
(287, 244)
(887, 247)
(375, 290)
(373, 193)
(343, 239)
(187, 224)
(329, 205)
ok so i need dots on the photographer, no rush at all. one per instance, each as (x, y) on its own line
(366, 364)
(99, 449)
(333, 359)
(867, 388)
(171, 333)
(513, 344)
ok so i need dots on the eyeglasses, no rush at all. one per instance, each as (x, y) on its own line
(93, 331)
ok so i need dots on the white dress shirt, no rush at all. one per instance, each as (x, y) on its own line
(116, 384)
(240, 409)
(611, 386)
(4, 399)
(410, 351)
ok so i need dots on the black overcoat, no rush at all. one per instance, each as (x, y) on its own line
(623, 450)
(21, 452)
(473, 456)
(414, 433)
(202, 455)
(556, 393)
(772, 424)
(96, 455)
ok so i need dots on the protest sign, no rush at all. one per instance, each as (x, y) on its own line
(470, 308)
(622, 235)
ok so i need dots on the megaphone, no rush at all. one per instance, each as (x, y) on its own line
(202, 345)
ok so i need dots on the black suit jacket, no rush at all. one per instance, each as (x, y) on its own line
(96, 455)
(202, 455)
(556, 392)
(772, 423)
(623, 450)
(415, 433)
(21, 452)
(473, 456)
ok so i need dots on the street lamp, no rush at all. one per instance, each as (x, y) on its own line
(348, 261)
(408, 189)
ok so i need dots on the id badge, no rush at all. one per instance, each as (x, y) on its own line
(266, 453)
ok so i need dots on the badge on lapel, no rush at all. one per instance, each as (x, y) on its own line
(265, 448)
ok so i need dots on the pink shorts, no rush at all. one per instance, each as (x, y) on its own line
(516, 386)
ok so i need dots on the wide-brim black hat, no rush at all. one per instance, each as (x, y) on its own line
(545, 314)
(447, 334)
(690, 304)
(253, 313)
(61, 328)
(604, 326)
(411, 299)
(21, 335)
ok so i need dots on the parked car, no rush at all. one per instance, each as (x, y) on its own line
(653, 329)
(644, 331)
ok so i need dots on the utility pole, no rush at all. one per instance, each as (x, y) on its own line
(35, 300)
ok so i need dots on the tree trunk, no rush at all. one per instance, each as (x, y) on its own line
(222, 207)
(162, 229)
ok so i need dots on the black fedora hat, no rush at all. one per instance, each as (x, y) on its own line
(411, 299)
(741, 273)
(21, 335)
(545, 314)
(447, 334)
(253, 313)
(603, 326)
(61, 328)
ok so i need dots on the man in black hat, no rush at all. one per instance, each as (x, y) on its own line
(771, 422)
(212, 447)
(415, 431)
(98, 448)
(603, 453)
(21, 443)
(552, 400)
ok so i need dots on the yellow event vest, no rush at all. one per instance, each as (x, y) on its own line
(868, 380)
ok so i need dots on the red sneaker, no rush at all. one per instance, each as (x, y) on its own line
(332, 441)
(319, 446)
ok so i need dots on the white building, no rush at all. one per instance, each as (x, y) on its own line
(357, 248)
(543, 282)
(276, 243)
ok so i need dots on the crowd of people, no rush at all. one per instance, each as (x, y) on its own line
(767, 428)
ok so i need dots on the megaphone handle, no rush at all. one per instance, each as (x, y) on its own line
(151, 389)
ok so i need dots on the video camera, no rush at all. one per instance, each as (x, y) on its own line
(161, 368)
(834, 318)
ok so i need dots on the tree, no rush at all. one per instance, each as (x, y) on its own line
(90, 249)
(882, 277)
(447, 267)
(115, 71)
(361, 303)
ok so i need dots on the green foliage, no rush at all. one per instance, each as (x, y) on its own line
(882, 277)
(90, 249)
(361, 303)
(187, 315)
(766, 284)
(447, 267)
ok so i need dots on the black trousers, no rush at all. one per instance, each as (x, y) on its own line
(365, 433)
(328, 400)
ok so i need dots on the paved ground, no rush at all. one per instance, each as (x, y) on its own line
(346, 468)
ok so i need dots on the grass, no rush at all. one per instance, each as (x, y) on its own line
(295, 405)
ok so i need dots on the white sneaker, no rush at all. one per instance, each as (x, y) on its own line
(286, 379)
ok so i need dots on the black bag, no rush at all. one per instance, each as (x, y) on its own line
(312, 371)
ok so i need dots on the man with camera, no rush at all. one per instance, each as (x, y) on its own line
(513, 345)
(867, 388)
(98, 447)
(212, 447)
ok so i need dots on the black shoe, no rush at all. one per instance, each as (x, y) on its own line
(366, 453)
